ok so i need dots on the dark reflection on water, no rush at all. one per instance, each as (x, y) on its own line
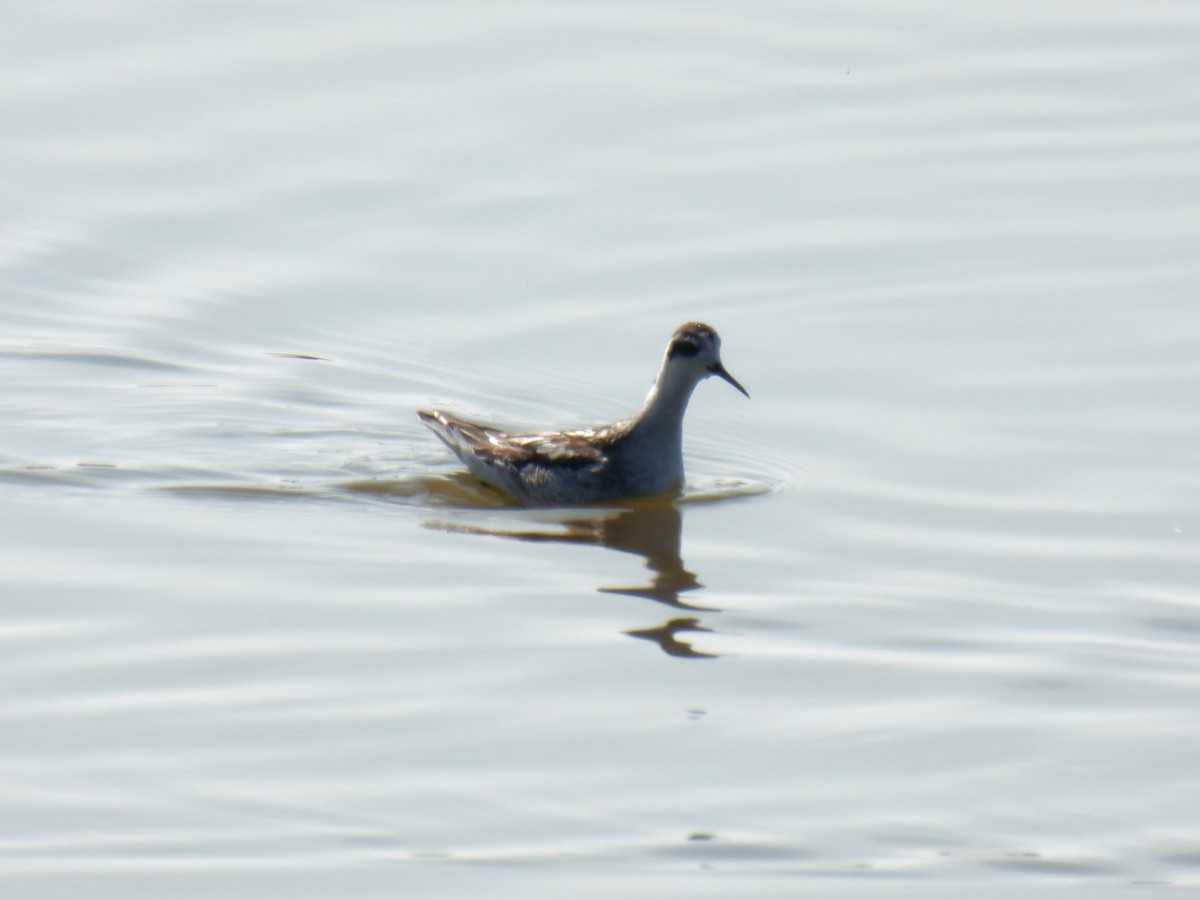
(667, 637)
(651, 529)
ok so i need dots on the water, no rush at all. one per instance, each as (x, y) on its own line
(926, 621)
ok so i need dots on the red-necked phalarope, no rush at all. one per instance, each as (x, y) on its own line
(632, 458)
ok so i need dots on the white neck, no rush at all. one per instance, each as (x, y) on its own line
(652, 454)
(667, 401)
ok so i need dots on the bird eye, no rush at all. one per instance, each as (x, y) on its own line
(684, 347)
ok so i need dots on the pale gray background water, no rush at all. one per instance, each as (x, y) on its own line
(253, 643)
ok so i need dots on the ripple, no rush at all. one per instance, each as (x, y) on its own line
(457, 489)
(104, 358)
(241, 491)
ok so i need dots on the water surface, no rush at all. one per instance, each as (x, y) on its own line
(925, 621)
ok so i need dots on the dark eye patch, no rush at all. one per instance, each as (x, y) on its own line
(683, 347)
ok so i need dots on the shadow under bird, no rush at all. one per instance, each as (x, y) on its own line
(635, 457)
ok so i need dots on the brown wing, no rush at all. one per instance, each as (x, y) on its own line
(571, 448)
(565, 449)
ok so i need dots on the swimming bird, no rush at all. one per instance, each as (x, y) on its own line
(635, 457)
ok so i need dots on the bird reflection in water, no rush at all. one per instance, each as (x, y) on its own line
(651, 529)
(666, 636)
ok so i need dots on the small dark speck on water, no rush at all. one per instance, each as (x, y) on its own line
(298, 356)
